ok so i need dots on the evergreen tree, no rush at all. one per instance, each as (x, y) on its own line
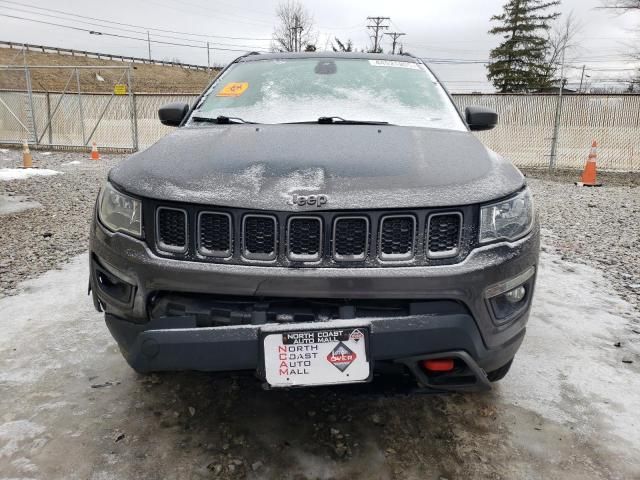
(342, 46)
(519, 63)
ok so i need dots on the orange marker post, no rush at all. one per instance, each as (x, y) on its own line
(95, 155)
(588, 178)
(27, 160)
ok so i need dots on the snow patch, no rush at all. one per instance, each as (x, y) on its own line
(24, 173)
(17, 432)
(73, 162)
(10, 204)
(569, 370)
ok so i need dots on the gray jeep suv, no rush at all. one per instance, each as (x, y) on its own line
(317, 219)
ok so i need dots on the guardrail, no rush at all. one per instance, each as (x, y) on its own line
(100, 56)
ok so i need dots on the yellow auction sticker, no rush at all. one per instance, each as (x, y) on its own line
(233, 89)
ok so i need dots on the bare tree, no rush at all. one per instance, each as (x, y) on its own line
(295, 28)
(622, 5)
(561, 40)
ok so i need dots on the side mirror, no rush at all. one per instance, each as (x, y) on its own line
(480, 118)
(172, 114)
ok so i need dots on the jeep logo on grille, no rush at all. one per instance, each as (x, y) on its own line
(318, 201)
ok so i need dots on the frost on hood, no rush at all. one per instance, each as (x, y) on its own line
(309, 180)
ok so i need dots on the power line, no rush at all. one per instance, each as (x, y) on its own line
(161, 42)
(128, 24)
(100, 25)
(378, 24)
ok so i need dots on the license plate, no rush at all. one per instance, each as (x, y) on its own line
(317, 357)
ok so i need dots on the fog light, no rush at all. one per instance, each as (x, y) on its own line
(508, 298)
(510, 302)
(515, 295)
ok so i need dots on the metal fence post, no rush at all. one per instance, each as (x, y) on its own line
(48, 97)
(84, 136)
(133, 111)
(31, 115)
(556, 128)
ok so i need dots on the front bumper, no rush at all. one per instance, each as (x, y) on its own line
(175, 344)
(158, 346)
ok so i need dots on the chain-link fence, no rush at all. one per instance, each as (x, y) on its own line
(150, 130)
(524, 132)
(71, 117)
(526, 123)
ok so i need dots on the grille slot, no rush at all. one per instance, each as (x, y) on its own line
(443, 234)
(171, 229)
(350, 238)
(310, 239)
(305, 238)
(259, 237)
(397, 237)
(214, 234)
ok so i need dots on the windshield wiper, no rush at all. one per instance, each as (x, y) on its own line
(220, 119)
(343, 121)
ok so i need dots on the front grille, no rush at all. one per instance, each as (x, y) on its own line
(397, 237)
(171, 233)
(214, 234)
(305, 238)
(314, 239)
(259, 237)
(443, 234)
(350, 238)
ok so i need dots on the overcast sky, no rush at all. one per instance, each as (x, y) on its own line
(437, 29)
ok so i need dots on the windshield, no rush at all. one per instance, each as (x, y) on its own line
(305, 89)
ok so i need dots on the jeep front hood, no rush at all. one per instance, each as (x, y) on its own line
(355, 166)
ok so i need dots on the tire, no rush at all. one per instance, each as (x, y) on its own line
(499, 373)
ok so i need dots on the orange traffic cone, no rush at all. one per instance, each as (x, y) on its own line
(588, 178)
(95, 155)
(27, 160)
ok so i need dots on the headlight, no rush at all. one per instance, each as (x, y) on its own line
(119, 212)
(508, 220)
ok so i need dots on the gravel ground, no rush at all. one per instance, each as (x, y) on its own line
(39, 239)
(595, 226)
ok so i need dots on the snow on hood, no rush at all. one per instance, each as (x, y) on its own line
(355, 166)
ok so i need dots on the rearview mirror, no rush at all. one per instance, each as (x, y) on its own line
(480, 118)
(172, 114)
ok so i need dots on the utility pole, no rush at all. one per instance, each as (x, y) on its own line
(149, 44)
(394, 36)
(378, 25)
(581, 79)
(208, 58)
(296, 32)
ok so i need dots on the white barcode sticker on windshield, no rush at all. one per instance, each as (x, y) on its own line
(395, 64)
